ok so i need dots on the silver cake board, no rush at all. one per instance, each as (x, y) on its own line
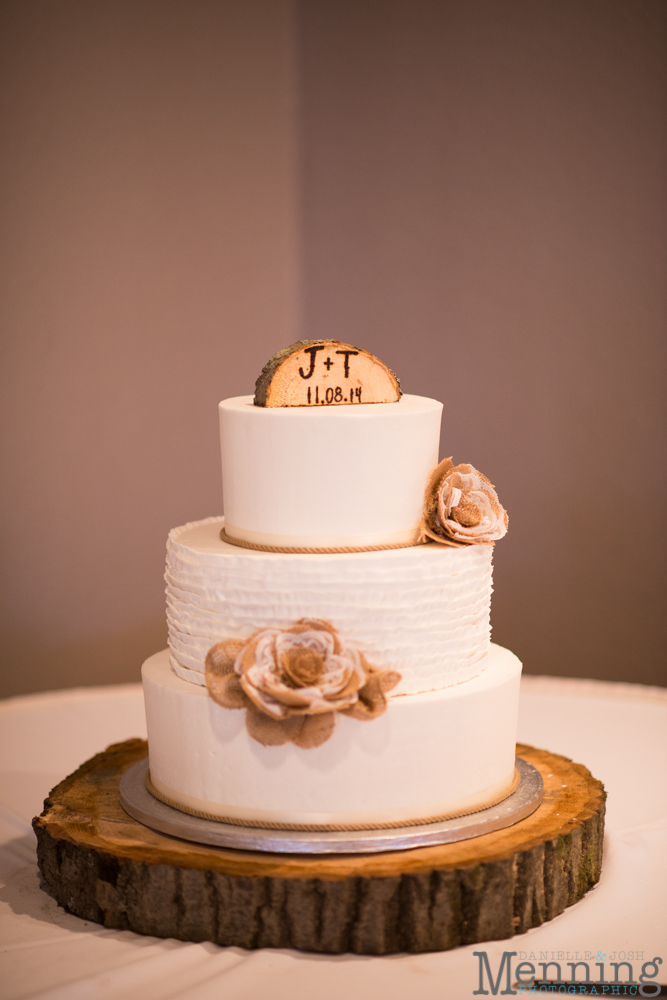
(138, 802)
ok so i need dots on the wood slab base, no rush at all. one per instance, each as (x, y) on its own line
(103, 866)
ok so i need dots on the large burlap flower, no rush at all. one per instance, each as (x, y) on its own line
(292, 681)
(461, 507)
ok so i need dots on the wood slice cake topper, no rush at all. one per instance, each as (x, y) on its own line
(325, 373)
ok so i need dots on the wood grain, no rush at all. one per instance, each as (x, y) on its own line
(104, 866)
(325, 373)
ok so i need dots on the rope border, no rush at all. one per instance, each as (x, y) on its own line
(317, 551)
(334, 827)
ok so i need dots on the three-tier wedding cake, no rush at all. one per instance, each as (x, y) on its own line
(329, 661)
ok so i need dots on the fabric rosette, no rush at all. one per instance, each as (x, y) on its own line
(292, 682)
(461, 507)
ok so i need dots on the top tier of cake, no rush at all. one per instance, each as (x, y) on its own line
(327, 476)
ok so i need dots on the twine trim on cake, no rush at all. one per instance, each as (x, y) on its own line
(331, 827)
(318, 550)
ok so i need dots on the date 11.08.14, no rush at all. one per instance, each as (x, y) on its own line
(331, 395)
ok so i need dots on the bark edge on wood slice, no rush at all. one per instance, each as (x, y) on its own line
(103, 866)
(325, 373)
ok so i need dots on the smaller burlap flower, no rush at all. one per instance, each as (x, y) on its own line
(292, 682)
(461, 507)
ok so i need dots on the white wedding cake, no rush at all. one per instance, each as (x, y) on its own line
(329, 661)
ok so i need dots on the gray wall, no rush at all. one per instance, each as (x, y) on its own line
(476, 193)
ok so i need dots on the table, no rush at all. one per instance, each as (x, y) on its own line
(619, 731)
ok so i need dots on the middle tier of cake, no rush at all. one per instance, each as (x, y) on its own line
(422, 611)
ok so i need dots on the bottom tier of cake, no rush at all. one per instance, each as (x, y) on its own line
(429, 755)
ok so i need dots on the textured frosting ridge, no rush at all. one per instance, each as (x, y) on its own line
(423, 611)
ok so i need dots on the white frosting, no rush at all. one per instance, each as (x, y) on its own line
(427, 755)
(325, 476)
(423, 611)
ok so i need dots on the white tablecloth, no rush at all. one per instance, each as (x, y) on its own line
(618, 731)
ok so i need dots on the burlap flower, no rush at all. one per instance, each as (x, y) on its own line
(292, 681)
(461, 507)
